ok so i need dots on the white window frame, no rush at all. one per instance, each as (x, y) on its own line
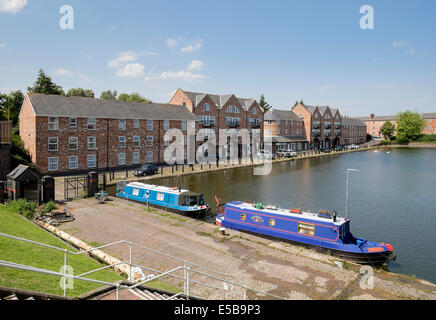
(150, 141)
(149, 157)
(121, 158)
(95, 143)
(137, 143)
(70, 143)
(91, 123)
(50, 163)
(52, 143)
(206, 107)
(184, 125)
(137, 159)
(122, 124)
(166, 125)
(149, 125)
(254, 111)
(70, 162)
(75, 122)
(122, 144)
(53, 123)
(90, 161)
(136, 124)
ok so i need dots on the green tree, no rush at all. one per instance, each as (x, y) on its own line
(409, 126)
(79, 92)
(45, 85)
(262, 102)
(109, 95)
(388, 130)
(10, 106)
(133, 97)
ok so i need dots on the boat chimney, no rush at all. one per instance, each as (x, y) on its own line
(334, 216)
(180, 189)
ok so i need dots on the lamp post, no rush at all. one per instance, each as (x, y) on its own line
(346, 194)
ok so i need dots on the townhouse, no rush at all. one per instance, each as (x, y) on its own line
(353, 131)
(322, 125)
(223, 112)
(68, 135)
(285, 130)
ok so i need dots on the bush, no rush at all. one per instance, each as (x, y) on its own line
(23, 207)
(429, 138)
(49, 207)
(386, 142)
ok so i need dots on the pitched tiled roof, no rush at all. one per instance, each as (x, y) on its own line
(219, 100)
(281, 115)
(352, 122)
(80, 107)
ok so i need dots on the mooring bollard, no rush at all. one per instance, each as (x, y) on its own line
(127, 173)
(148, 206)
(172, 169)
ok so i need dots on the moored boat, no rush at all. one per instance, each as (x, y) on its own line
(323, 230)
(170, 198)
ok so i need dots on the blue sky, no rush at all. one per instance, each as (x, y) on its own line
(287, 50)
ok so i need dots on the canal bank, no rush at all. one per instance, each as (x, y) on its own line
(267, 265)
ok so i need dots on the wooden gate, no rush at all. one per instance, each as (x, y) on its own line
(75, 187)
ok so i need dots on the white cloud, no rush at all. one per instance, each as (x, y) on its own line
(123, 57)
(195, 65)
(2, 45)
(399, 44)
(172, 43)
(131, 70)
(186, 76)
(192, 47)
(12, 6)
(63, 72)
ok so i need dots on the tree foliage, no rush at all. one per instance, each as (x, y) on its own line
(79, 92)
(10, 105)
(45, 85)
(388, 129)
(109, 95)
(133, 97)
(409, 126)
(262, 102)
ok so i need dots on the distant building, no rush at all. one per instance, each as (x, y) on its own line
(64, 135)
(322, 125)
(286, 130)
(5, 148)
(353, 131)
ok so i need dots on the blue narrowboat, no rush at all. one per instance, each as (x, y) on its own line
(173, 199)
(327, 232)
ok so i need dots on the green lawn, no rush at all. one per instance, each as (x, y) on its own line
(45, 258)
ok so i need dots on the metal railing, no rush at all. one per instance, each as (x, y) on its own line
(187, 270)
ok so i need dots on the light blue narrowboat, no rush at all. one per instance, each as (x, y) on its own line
(173, 199)
(321, 230)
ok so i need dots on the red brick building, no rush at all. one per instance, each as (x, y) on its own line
(66, 135)
(353, 131)
(214, 112)
(285, 129)
(322, 125)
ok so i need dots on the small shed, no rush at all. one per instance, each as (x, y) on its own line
(24, 183)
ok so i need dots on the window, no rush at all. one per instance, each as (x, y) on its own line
(53, 123)
(269, 132)
(184, 125)
(160, 196)
(206, 107)
(136, 142)
(92, 161)
(73, 143)
(73, 162)
(150, 139)
(278, 122)
(121, 142)
(136, 124)
(149, 156)
(73, 122)
(121, 159)
(254, 111)
(92, 145)
(166, 141)
(278, 131)
(166, 125)
(135, 192)
(229, 109)
(135, 157)
(92, 123)
(121, 124)
(52, 163)
(316, 115)
(52, 144)
(149, 125)
(272, 222)
(243, 217)
(307, 229)
(235, 109)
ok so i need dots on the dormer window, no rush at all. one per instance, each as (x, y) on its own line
(235, 109)
(316, 115)
(206, 107)
(229, 109)
(254, 111)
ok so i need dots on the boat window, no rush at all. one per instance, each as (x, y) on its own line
(189, 201)
(272, 222)
(308, 229)
(243, 217)
(135, 192)
(160, 197)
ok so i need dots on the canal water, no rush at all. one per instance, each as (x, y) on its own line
(392, 198)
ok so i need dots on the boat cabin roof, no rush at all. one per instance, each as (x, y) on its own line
(287, 213)
(172, 190)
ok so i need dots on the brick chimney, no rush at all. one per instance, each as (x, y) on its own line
(372, 116)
